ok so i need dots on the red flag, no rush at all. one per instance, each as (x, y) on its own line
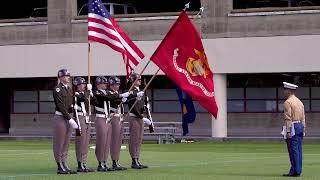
(182, 58)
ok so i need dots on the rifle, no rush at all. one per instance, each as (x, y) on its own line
(78, 131)
(147, 109)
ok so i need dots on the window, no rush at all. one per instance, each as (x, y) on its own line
(25, 102)
(165, 100)
(141, 6)
(23, 9)
(33, 102)
(246, 4)
(46, 102)
(235, 102)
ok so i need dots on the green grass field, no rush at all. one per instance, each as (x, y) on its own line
(34, 160)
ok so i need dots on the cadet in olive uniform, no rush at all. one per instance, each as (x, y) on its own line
(63, 121)
(82, 107)
(103, 125)
(294, 128)
(136, 122)
(117, 112)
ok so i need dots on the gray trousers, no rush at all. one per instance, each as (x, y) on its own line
(82, 142)
(61, 138)
(116, 137)
(136, 129)
(103, 139)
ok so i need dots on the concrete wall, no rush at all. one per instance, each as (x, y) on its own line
(217, 22)
(225, 55)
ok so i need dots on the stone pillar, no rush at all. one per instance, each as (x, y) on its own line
(219, 125)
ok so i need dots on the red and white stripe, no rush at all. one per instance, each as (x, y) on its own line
(108, 32)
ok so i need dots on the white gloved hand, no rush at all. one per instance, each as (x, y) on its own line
(124, 100)
(89, 87)
(75, 107)
(91, 94)
(140, 94)
(125, 95)
(147, 121)
(73, 123)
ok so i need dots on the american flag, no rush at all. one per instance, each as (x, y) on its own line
(104, 29)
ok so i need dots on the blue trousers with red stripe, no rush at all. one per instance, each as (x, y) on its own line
(294, 145)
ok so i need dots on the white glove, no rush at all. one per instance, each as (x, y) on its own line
(147, 121)
(140, 94)
(89, 87)
(125, 95)
(124, 100)
(75, 107)
(73, 124)
(91, 94)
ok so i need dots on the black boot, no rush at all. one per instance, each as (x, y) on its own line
(68, 169)
(141, 165)
(151, 129)
(108, 169)
(135, 164)
(116, 166)
(86, 168)
(61, 169)
(81, 168)
(101, 167)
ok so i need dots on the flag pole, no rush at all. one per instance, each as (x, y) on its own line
(142, 71)
(145, 88)
(89, 75)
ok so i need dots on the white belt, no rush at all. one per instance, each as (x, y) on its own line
(101, 116)
(294, 122)
(58, 113)
(113, 109)
(132, 115)
(80, 113)
(99, 109)
(115, 114)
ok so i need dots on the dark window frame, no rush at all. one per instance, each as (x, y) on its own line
(277, 99)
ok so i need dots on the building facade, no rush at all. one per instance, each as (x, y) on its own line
(251, 48)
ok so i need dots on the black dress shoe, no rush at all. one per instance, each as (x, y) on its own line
(101, 169)
(136, 166)
(117, 167)
(110, 169)
(81, 168)
(88, 169)
(68, 169)
(142, 166)
(61, 169)
(291, 175)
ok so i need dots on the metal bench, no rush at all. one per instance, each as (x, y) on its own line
(165, 132)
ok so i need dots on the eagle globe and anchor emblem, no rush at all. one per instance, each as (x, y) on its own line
(198, 67)
(194, 68)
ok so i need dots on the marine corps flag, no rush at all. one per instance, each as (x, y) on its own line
(182, 58)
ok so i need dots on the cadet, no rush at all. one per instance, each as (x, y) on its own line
(103, 125)
(116, 119)
(136, 122)
(81, 108)
(294, 128)
(63, 121)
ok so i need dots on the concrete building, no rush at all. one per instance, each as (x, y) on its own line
(251, 52)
